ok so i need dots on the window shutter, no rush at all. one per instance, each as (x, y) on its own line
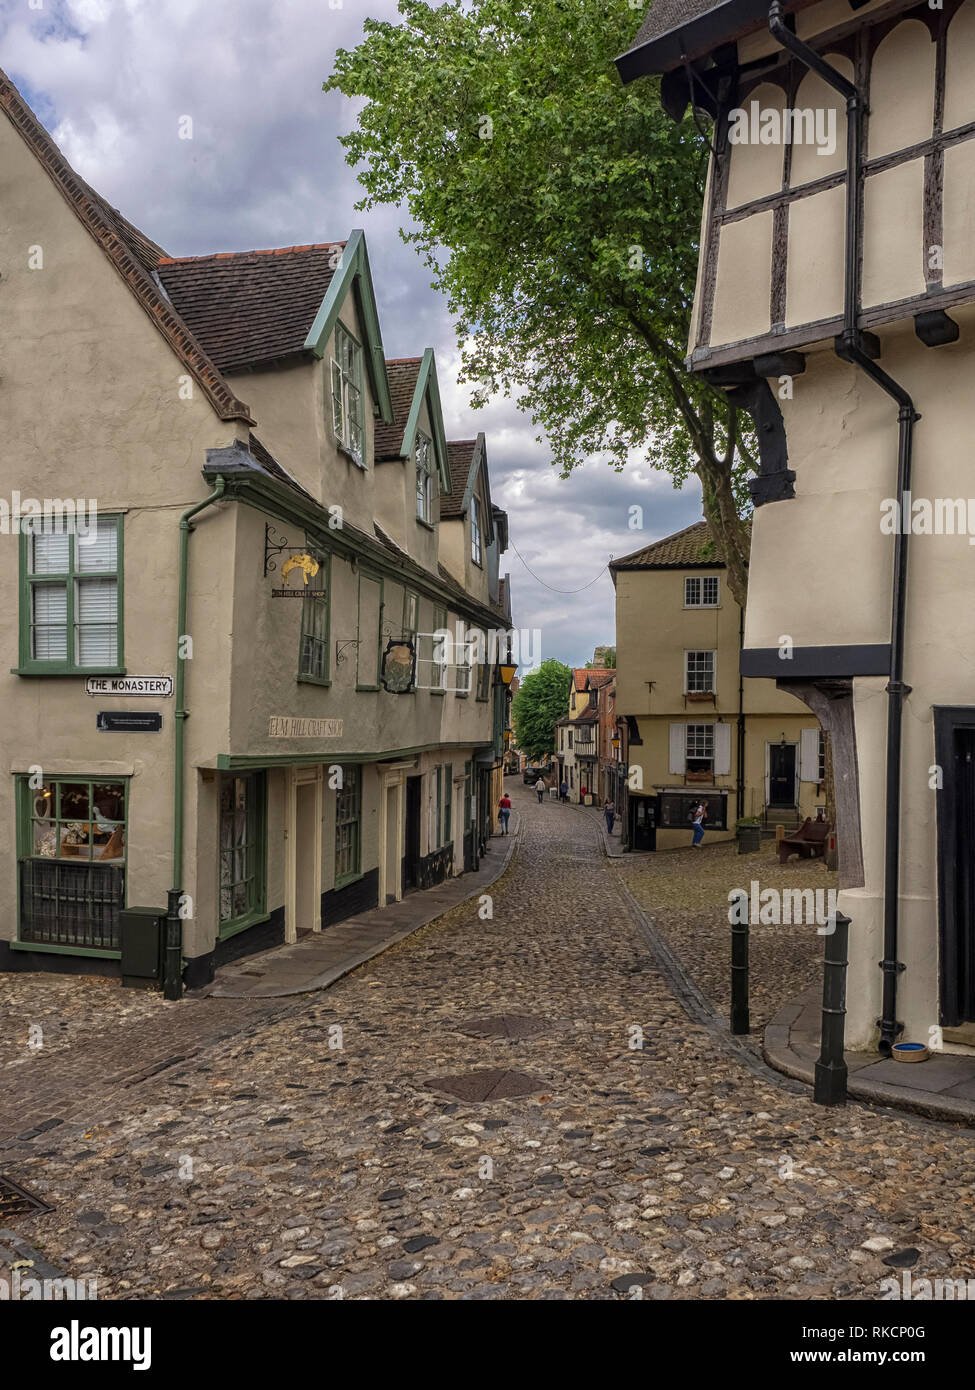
(809, 755)
(337, 399)
(722, 750)
(678, 746)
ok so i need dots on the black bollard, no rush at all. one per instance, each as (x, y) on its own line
(173, 953)
(830, 1083)
(740, 1022)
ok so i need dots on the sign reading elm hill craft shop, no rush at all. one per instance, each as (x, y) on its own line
(309, 567)
(289, 726)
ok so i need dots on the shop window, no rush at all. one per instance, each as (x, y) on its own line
(242, 850)
(72, 846)
(348, 826)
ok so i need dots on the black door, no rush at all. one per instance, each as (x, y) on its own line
(411, 857)
(643, 822)
(782, 774)
(956, 853)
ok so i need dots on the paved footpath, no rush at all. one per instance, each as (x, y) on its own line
(314, 1148)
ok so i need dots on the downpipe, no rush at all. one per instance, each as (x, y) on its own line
(173, 954)
(849, 347)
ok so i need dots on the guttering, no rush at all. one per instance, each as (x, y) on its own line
(740, 780)
(173, 967)
(854, 347)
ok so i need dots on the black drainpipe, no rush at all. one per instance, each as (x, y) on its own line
(851, 346)
(740, 781)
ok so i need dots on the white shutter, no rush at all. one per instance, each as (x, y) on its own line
(678, 748)
(50, 551)
(722, 750)
(50, 635)
(98, 551)
(97, 617)
(809, 755)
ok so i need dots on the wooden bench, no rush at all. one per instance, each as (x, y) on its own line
(809, 841)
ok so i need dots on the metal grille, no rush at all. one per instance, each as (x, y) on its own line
(17, 1201)
(71, 904)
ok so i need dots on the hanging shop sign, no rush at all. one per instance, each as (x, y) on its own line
(152, 686)
(399, 666)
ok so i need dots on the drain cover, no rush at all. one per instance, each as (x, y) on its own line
(496, 1084)
(505, 1026)
(17, 1201)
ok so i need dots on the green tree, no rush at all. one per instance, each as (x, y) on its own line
(560, 215)
(542, 700)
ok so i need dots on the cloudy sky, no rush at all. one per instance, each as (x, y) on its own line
(111, 79)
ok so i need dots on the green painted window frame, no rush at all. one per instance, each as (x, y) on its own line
(256, 814)
(25, 796)
(484, 672)
(477, 532)
(346, 378)
(425, 474)
(440, 616)
(448, 803)
(321, 582)
(438, 774)
(468, 793)
(373, 578)
(29, 665)
(408, 627)
(348, 814)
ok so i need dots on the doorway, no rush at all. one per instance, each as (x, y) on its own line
(782, 774)
(411, 854)
(954, 728)
(304, 808)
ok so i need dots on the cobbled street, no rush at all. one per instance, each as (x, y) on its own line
(230, 1149)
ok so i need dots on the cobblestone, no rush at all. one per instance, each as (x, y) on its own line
(672, 1162)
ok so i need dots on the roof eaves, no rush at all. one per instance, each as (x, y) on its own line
(697, 28)
(88, 208)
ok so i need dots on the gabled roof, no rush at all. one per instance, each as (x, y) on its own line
(353, 274)
(467, 457)
(411, 379)
(251, 308)
(131, 253)
(694, 547)
(596, 679)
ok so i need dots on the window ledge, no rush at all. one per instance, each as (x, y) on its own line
(230, 929)
(51, 949)
(346, 879)
(314, 680)
(59, 669)
(427, 525)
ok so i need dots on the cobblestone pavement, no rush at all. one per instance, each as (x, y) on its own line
(275, 1163)
(685, 894)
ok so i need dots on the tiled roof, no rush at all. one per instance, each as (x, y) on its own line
(693, 546)
(460, 455)
(664, 15)
(388, 439)
(251, 308)
(132, 254)
(601, 677)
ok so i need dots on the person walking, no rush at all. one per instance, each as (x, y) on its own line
(504, 812)
(540, 788)
(698, 817)
(609, 811)
(563, 791)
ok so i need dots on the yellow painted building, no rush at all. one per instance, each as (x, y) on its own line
(696, 729)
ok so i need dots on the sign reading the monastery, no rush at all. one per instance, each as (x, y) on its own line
(287, 726)
(129, 685)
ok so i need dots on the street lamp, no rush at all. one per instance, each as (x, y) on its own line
(507, 674)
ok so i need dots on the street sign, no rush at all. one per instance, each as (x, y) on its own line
(152, 686)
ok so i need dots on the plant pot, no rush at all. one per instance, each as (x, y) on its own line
(749, 839)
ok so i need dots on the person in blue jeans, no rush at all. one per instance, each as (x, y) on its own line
(609, 811)
(504, 812)
(698, 818)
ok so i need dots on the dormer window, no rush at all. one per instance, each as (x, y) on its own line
(347, 394)
(423, 453)
(476, 548)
